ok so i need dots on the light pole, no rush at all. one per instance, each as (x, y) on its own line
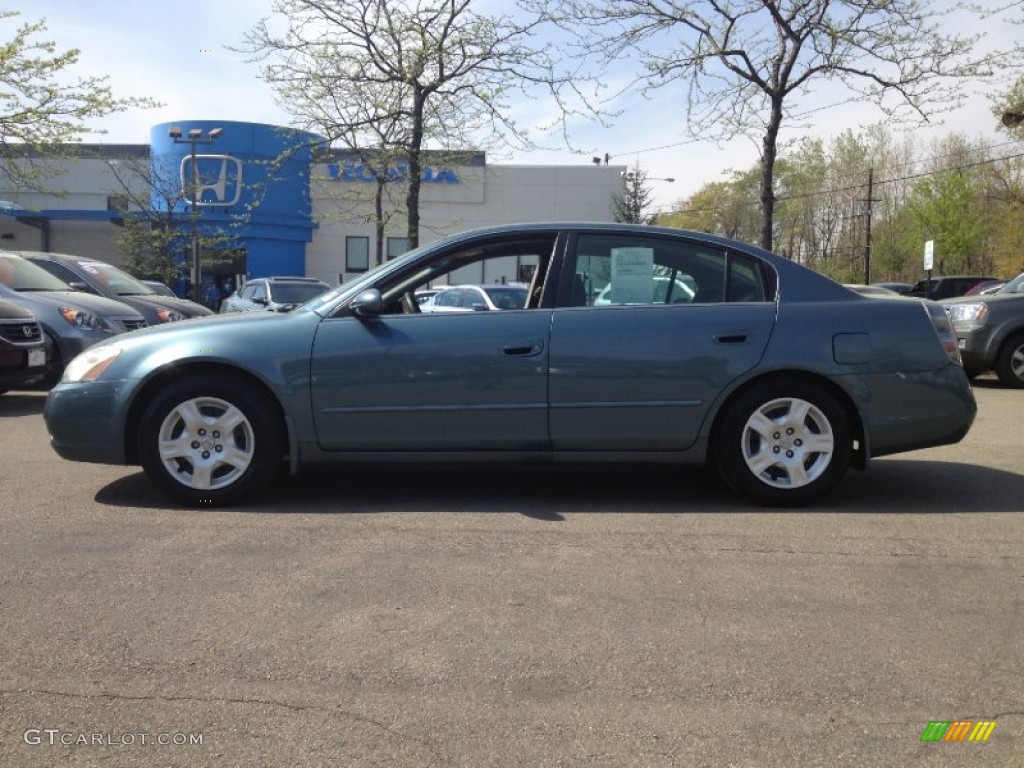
(630, 175)
(195, 137)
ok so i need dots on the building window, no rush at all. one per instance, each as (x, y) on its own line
(397, 246)
(357, 254)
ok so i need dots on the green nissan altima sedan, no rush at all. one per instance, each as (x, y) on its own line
(779, 377)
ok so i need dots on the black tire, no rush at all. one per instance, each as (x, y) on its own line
(800, 452)
(1010, 362)
(203, 465)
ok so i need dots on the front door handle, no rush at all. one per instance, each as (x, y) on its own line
(732, 337)
(529, 348)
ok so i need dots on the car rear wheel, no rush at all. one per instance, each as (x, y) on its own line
(784, 443)
(1010, 363)
(210, 440)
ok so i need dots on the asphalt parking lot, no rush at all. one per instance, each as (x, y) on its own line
(513, 617)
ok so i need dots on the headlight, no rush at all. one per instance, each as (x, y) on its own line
(79, 318)
(90, 364)
(169, 316)
(967, 314)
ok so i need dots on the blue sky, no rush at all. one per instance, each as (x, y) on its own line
(177, 53)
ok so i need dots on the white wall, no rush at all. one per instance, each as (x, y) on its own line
(485, 196)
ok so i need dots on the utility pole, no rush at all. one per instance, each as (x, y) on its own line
(867, 230)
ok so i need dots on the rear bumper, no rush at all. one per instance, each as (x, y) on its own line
(907, 411)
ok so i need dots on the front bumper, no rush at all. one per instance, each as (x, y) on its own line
(86, 421)
(976, 349)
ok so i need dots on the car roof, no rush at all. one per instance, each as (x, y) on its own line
(285, 279)
(801, 283)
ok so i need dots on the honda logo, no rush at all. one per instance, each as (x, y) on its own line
(219, 181)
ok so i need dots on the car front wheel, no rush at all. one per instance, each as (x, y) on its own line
(1010, 363)
(210, 440)
(784, 443)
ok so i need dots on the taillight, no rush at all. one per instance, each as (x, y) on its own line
(943, 329)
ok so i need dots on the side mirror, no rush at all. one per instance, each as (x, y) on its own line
(480, 307)
(80, 286)
(367, 304)
(259, 300)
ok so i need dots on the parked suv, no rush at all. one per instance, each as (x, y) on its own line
(23, 348)
(990, 332)
(72, 320)
(946, 287)
(277, 294)
(107, 280)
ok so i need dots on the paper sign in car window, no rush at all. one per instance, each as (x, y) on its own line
(632, 275)
(98, 269)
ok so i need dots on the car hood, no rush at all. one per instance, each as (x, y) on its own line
(76, 300)
(991, 298)
(185, 307)
(212, 325)
(11, 311)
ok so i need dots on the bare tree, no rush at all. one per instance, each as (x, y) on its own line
(748, 65)
(153, 235)
(398, 76)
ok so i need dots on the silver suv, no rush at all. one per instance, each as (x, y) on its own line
(276, 294)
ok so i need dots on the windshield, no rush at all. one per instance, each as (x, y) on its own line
(113, 278)
(295, 293)
(1014, 286)
(22, 275)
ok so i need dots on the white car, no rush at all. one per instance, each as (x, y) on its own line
(470, 298)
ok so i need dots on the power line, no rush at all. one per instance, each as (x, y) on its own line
(852, 188)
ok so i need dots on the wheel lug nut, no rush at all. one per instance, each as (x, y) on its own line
(219, 448)
(777, 435)
(789, 454)
(798, 443)
(202, 433)
(206, 454)
(776, 449)
(789, 431)
(195, 445)
(216, 433)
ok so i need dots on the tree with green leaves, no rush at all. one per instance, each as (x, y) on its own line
(398, 77)
(633, 205)
(41, 108)
(727, 208)
(750, 66)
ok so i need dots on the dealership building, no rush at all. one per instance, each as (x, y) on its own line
(279, 203)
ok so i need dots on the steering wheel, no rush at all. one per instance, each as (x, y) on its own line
(409, 304)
